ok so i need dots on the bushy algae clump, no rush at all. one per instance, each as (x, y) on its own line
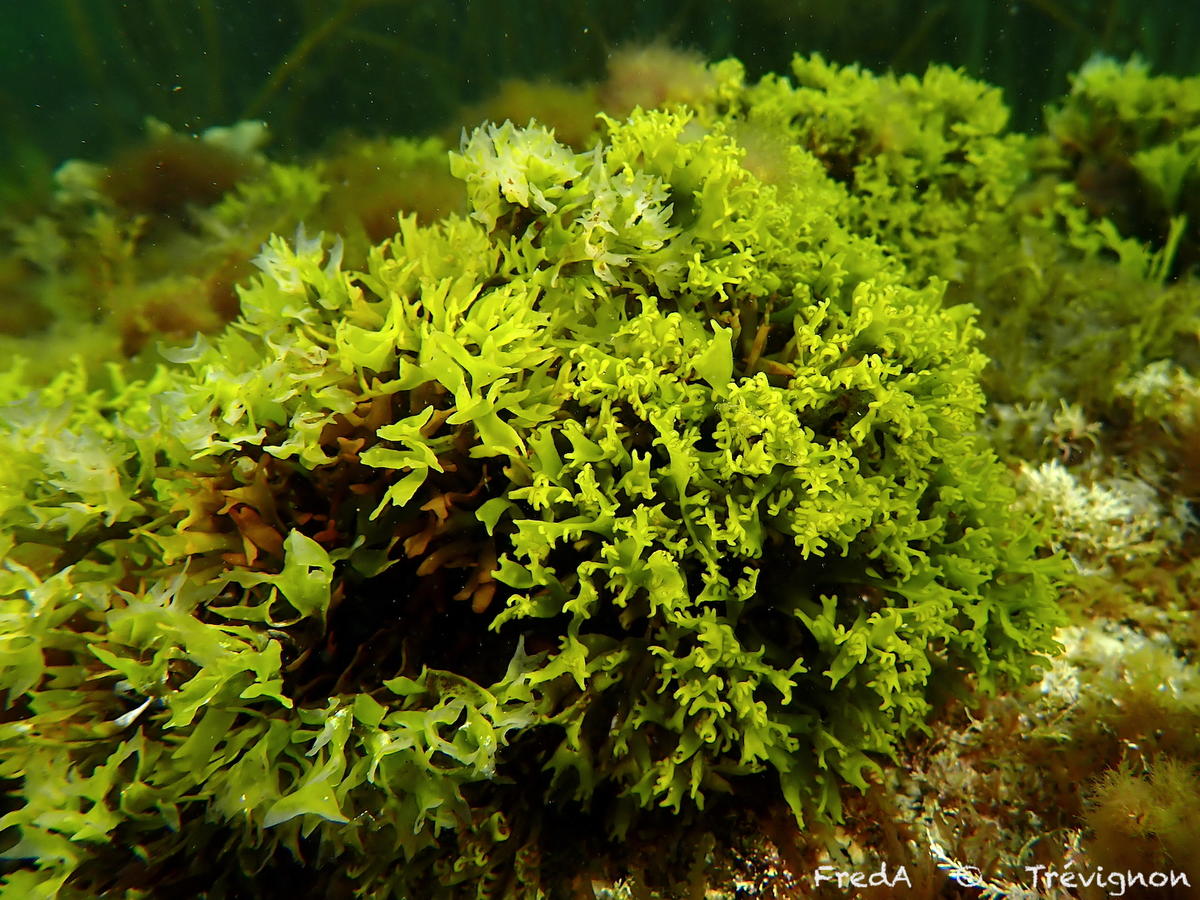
(645, 477)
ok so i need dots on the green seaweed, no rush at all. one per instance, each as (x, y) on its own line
(657, 476)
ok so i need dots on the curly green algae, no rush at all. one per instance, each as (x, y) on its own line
(657, 474)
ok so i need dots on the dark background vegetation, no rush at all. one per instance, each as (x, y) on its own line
(78, 77)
